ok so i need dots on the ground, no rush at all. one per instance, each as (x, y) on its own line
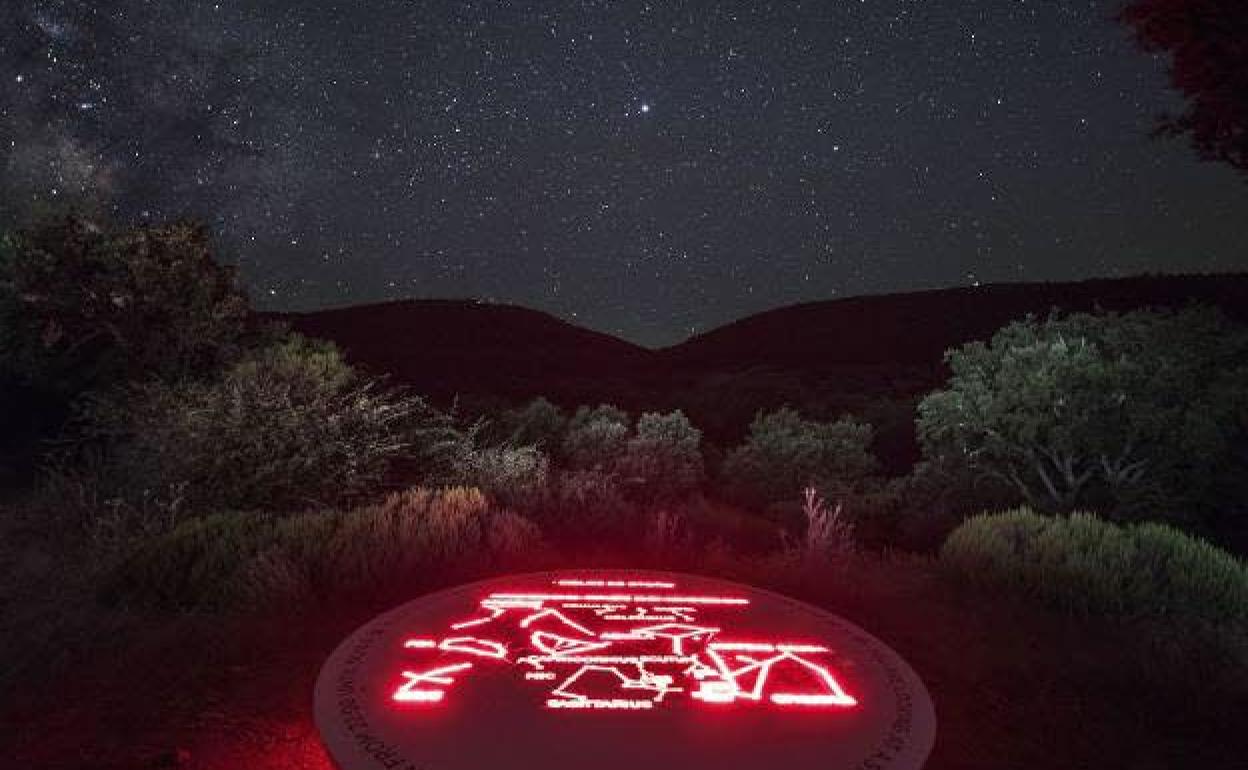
(1015, 686)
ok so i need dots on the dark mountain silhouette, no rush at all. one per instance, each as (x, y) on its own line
(874, 356)
(916, 328)
(445, 348)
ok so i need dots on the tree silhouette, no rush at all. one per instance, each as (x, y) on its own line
(1207, 41)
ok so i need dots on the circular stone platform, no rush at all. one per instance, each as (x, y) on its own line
(618, 669)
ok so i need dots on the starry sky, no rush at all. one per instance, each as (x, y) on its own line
(650, 170)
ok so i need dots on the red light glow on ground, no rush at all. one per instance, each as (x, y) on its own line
(611, 651)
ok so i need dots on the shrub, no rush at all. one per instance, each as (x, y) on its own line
(539, 423)
(194, 565)
(662, 462)
(785, 452)
(1085, 565)
(587, 505)
(233, 560)
(829, 536)
(513, 476)
(595, 438)
(287, 426)
(935, 497)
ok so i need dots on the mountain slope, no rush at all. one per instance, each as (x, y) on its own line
(842, 353)
(443, 348)
(917, 328)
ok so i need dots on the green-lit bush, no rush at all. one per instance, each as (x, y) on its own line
(1134, 414)
(233, 560)
(784, 453)
(1085, 565)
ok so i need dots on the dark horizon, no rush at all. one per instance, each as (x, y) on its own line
(580, 324)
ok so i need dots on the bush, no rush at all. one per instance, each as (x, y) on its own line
(935, 497)
(588, 505)
(784, 453)
(662, 462)
(231, 560)
(288, 426)
(1085, 565)
(595, 438)
(539, 423)
(512, 476)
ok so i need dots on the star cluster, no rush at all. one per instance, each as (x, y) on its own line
(647, 169)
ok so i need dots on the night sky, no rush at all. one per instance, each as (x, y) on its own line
(645, 169)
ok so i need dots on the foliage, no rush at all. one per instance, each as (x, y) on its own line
(595, 438)
(936, 496)
(1134, 413)
(286, 426)
(1209, 66)
(513, 476)
(666, 535)
(829, 536)
(232, 560)
(587, 504)
(539, 423)
(662, 461)
(784, 453)
(85, 308)
(1085, 565)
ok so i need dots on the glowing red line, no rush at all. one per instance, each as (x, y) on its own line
(765, 647)
(714, 673)
(495, 613)
(614, 583)
(729, 689)
(496, 608)
(485, 648)
(556, 613)
(563, 646)
(625, 598)
(409, 692)
(785, 699)
(435, 674)
(677, 632)
(838, 696)
(612, 703)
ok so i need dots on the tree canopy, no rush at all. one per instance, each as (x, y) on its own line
(1209, 66)
(84, 307)
(1126, 412)
(785, 452)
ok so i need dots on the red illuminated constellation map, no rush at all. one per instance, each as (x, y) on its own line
(620, 644)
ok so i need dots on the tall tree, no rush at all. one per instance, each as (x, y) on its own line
(1135, 413)
(1206, 41)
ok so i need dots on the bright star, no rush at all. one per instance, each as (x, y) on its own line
(645, 108)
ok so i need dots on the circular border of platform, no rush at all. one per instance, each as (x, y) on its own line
(357, 724)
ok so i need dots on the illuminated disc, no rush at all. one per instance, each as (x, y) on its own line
(609, 669)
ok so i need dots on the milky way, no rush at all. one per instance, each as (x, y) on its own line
(647, 169)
